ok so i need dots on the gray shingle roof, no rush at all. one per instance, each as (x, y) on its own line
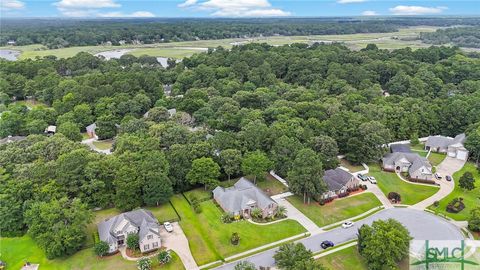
(140, 218)
(438, 141)
(336, 179)
(241, 195)
(415, 159)
(400, 147)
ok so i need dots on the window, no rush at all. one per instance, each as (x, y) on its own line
(146, 247)
(155, 244)
(149, 237)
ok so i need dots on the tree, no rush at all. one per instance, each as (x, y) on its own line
(327, 149)
(245, 265)
(132, 241)
(58, 226)
(256, 163)
(283, 153)
(158, 114)
(467, 181)
(383, 244)
(474, 220)
(101, 248)
(144, 264)
(305, 177)
(230, 160)
(164, 257)
(71, 131)
(472, 142)
(106, 128)
(290, 255)
(157, 189)
(83, 115)
(367, 143)
(204, 171)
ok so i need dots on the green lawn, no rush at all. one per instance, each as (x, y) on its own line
(410, 193)
(345, 259)
(470, 198)
(353, 168)
(436, 158)
(164, 52)
(209, 237)
(422, 153)
(337, 210)
(271, 186)
(200, 193)
(103, 145)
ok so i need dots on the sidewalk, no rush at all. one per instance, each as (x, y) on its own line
(379, 194)
(295, 214)
(334, 250)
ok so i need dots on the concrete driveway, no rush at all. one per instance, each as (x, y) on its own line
(178, 242)
(295, 214)
(422, 225)
(448, 166)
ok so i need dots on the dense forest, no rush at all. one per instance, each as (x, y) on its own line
(240, 111)
(459, 36)
(65, 33)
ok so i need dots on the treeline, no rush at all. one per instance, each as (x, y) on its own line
(458, 36)
(65, 33)
(243, 111)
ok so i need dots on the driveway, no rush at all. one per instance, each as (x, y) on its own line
(448, 166)
(295, 214)
(177, 241)
(422, 225)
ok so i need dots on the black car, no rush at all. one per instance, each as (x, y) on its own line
(448, 178)
(326, 244)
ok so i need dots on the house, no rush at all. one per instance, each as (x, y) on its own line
(243, 197)
(50, 130)
(400, 147)
(11, 139)
(167, 89)
(114, 231)
(452, 146)
(11, 42)
(338, 182)
(418, 167)
(91, 130)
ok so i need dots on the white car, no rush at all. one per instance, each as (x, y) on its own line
(347, 224)
(168, 226)
(372, 180)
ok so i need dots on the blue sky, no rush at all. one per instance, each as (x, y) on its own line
(233, 8)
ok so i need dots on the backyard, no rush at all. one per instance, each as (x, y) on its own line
(337, 210)
(16, 251)
(103, 145)
(470, 198)
(436, 158)
(209, 237)
(351, 167)
(410, 193)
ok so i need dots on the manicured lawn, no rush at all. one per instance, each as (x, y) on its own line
(200, 193)
(103, 145)
(353, 168)
(271, 186)
(337, 210)
(420, 152)
(418, 147)
(470, 198)
(164, 212)
(209, 237)
(345, 259)
(436, 158)
(410, 193)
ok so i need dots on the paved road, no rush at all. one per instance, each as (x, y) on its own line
(422, 225)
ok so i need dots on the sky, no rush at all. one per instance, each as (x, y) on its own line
(233, 8)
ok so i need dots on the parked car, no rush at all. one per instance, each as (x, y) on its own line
(448, 178)
(347, 224)
(326, 244)
(362, 177)
(168, 226)
(438, 176)
(372, 180)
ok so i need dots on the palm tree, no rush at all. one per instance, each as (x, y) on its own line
(281, 211)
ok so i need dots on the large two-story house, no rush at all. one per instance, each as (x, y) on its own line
(114, 231)
(243, 197)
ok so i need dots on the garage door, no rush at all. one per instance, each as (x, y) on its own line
(462, 155)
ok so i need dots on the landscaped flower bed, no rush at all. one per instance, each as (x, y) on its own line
(455, 206)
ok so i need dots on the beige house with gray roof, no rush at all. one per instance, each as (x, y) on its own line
(452, 146)
(417, 167)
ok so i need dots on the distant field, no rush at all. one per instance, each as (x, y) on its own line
(393, 40)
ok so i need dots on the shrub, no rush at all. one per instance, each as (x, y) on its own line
(235, 239)
(245, 265)
(474, 220)
(144, 264)
(455, 206)
(256, 213)
(227, 218)
(467, 181)
(132, 241)
(281, 212)
(164, 257)
(195, 204)
(436, 203)
(101, 248)
(394, 197)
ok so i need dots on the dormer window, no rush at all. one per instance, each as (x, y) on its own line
(149, 237)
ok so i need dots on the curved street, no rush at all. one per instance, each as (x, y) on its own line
(422, 225)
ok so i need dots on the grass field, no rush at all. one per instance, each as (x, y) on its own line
(410, 193)
(420, 152)
(103, 145)
(209, 237)
(471, 198)
(436, 158)
(391, 40)
(337, 210)
(353, 168)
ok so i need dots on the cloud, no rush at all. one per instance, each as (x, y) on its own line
(236, 8)
(137, 14)
(369, 13)
(11, 4)
(85, 4)
(350, 1)
(416, 10)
